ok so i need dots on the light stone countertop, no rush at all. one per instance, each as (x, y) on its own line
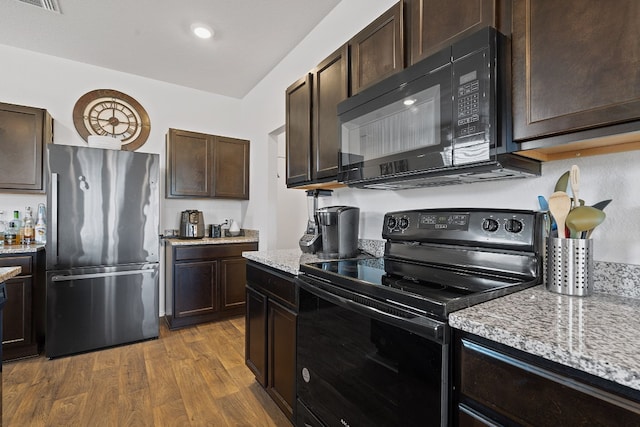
(7, 273)
(251, 236)
(598, 334)
(20, 249)
(287, 260)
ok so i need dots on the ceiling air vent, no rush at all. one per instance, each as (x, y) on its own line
(51, 5)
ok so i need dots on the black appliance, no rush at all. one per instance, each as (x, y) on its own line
(444, 120)
(373, 343)
(311, 240)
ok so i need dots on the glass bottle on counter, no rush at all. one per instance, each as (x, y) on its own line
(41, 225)
(16, 224)
(11, 233)
(28, 230)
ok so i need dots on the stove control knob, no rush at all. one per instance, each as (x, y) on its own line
(392, 222)
(404, 223)
(513, 226)
(490, 225)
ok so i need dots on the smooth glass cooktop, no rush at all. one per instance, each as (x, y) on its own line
(421, 286)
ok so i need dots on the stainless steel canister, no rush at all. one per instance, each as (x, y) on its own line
(569, 267)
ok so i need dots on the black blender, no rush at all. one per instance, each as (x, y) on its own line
(311, 240)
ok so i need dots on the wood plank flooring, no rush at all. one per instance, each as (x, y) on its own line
(190, 377)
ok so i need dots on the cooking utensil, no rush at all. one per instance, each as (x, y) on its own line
(560, 206)
(563, 182)
(574, 181)
(584, 218)
(544, 206)
(601, 205)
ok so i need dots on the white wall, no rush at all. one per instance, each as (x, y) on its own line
(612, 176)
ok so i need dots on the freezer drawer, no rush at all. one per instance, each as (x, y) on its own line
(88, 309)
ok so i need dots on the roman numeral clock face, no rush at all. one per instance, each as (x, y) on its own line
(108, 112)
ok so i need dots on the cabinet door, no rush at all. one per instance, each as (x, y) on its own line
(330, 87)
(233, 279)
(575, 65)
(256, 335)
(195, 288)
(282, 357)
(189, 164)
(231, 168)
(23, 133)
(16, 315)
(436, 24)
(377, 51)
(298, 131)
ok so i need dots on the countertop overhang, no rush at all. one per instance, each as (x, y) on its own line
(7, 273)
(597, 334)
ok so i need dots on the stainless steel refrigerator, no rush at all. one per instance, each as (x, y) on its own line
(102, 248)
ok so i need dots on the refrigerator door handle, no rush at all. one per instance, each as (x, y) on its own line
(54, 218)
(67, 277)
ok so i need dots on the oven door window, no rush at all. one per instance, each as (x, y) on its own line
(357, 371)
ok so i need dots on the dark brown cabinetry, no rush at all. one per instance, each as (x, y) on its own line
(24, 131)
(204, 282)
(498, 386)
(436, 24)
(575, 68)
(312, 121)
(377, 51)
(271, 333)
(206, 166)
(23, 315)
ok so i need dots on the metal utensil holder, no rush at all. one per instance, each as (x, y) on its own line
(569, 266)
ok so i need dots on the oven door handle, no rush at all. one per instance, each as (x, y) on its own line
(420, 325)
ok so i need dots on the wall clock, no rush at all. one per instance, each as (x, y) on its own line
(108, 112)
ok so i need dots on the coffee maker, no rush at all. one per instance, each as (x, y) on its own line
(339, 226)
(311, 240)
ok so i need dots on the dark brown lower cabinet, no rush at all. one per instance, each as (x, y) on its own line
(204, 282)
(496, 385)
(23, 314)
(270, 333)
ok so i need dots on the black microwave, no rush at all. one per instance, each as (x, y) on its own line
(444, 120)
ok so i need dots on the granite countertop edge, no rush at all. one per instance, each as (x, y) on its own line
(7, 273)
(250, 236)
(21, 249)
(595, 334)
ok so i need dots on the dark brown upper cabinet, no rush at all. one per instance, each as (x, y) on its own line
(231, 168)
(377, 51)
(298, 131)
(436, 24)
(575, 70)
(24, 131)
(206, 166)
(312, 121)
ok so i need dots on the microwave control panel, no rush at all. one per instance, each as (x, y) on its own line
(471, 98)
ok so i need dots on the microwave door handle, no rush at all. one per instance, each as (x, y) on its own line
(423, 326)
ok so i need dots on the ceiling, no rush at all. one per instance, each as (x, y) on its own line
(153, 38)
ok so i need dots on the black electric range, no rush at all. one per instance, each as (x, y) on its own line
(373, 339)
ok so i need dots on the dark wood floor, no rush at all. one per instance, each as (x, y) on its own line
(190, 377)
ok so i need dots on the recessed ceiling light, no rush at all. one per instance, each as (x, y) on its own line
(202, 31)
(409, 102)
